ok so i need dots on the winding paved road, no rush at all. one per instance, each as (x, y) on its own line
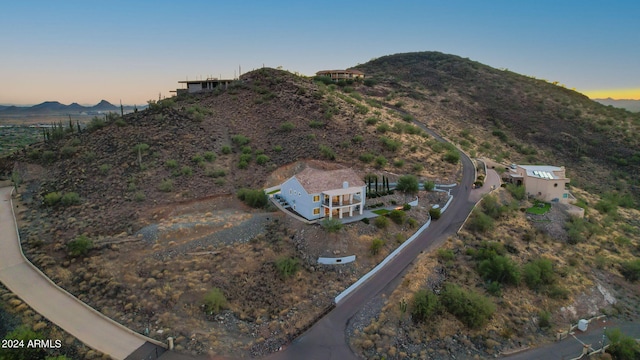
(52, 302)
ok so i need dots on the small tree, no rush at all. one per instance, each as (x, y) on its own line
(253, 197)
(214, 301)
(376, 246)
(424, 305)
(80, 246)
(398, 216)
(435, 213)
(630, 270)
(381, 222)
(622, 347)
(408, 184)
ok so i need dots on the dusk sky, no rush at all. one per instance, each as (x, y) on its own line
(85, 51)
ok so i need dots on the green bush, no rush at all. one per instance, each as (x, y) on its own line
(331, 225)
(371, 121)
(544, 319)
(452, 156)
(239, 140)
(446, 255)
(287, 126)
(408, 184)
(383, 128)
(398, 216)
(481, 222)
(357, 139)
(67, 151)
(139, 196)
(95, 124)
(622, 347)
(262, 159)
(142, 147)
(518, 192)
(243, 164)
(380, 161)
(70, 198)
(48, 156)
(538, 273)
(186, 170)
(630, 270)
(471, 308)
(424, 306)
(277, 148)
(246, 150)
(52, 198)
(376, 246)
(435, 213)
(198, 159)
(412, 223)
(171, 164)
(314, 124)
(499, 269)
(80, 246)
(287, 267)
(166, 185)
(327, 152)
(398, 163)
(104, 169)
(381, 222)
(226, 150)
(253, 197)
(429, 185)
(390, 144)
(215, 301)
(366, 157)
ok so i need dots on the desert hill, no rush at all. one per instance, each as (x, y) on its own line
(516, 118)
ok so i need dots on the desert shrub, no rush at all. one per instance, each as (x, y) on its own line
(481, 222)
(95, 124)
(314, 124)
(70, 198)
(52, 198)
(622, 347)
(171, 164)
(406, 207)
(452, 156)
(429, 185)
(381, 222)
(425, 305)
(499, 269)
(390, 144)
(398, 163)
(380, 161)
(226, 149)
(408, 184)
(327, 152)
(210, 156)
(67, 151)
(383, 128)
(253, 197)
(216, 173)
(141, 147)
(239, 140)
(494, 288)
(104, 169)
(166, 185)
(630, 270)
(357, 139)
(366, 157)
(24, 334)
(198, 159)
(214, 301)
(376, 246)
(398, 216)
(139, 196)
(544, 319)
(287, 126)
(492, 207)
(412, 222)
(446, 255)
(186, 170)
(435, 213)
(246, 150)
(287, 267)
(471, 308)
(371, 121)
(80, 246)
(518, 192)
(537, 273)
(361, 109)
(262, 159)
(331, 225)
(243, 164)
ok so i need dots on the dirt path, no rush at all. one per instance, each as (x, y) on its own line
(35, 289)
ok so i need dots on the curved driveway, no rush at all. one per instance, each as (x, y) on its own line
(52, 302)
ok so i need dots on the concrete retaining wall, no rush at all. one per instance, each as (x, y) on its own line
(336, 261)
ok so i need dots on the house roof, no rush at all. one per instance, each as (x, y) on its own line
(542, 171)
(352, 71)
(316, 181)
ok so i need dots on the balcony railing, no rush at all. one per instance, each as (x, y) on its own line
(344, 202)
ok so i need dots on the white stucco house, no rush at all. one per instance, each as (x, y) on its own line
(315, 194)
(543, 182)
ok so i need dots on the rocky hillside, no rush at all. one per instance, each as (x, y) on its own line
(515, 118)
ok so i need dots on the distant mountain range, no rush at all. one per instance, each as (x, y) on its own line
(56, 108)
(631, 105)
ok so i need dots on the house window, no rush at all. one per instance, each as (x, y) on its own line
(316, 211)
(316, 198)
